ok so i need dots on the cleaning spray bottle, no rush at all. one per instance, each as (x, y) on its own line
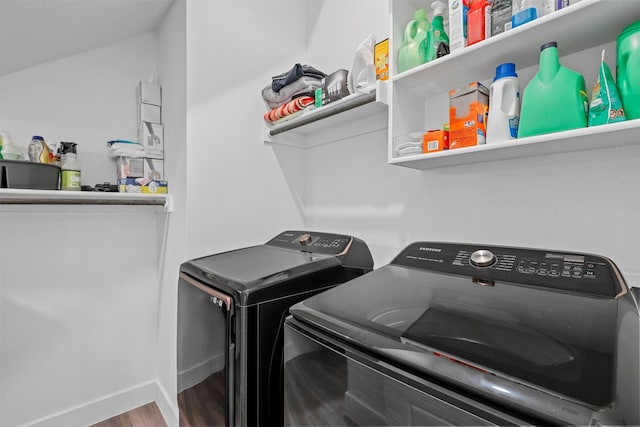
(436, 44)
(70, 167)
(414, 33)
(555, 99)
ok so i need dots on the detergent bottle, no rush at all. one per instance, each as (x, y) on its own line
(436, 44)
(555, 99)
(504, 104)
(526, 11)
(414, 33)
(628, 69)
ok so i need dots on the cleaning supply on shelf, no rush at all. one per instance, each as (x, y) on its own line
(38, 150)
(628, 69)
(458, 14)
(500, 16)
(555, 99)
(381, 59)
(468, 108)
(526, 11)
(70, 167)
(504, 104)
(436, 44)
(435, 140)
(479, 21)
(414, 33)
(605, 104)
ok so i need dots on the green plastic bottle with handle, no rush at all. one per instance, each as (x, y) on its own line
(555, 99)
(628, 70)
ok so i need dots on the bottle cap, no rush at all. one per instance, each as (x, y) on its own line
(37, 137)
(548, 44)
(507, 69)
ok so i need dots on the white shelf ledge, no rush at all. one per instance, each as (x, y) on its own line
(594, 138)
(52, 197)
(333, 122)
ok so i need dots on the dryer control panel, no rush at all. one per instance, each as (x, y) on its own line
(314, 242)
(584, 273)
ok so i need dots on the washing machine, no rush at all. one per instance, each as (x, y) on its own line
(231, 310)
(465, 334)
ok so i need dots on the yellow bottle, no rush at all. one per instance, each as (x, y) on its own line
(39, 150)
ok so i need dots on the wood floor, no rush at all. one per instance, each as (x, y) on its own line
(145, 416)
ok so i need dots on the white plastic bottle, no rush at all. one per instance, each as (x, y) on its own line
(504, 104)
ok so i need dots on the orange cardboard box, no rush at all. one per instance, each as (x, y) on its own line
(381, 59)
(435, 140)
(468, 108)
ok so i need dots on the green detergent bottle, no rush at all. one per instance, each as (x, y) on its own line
(555, 99)
(628, 70)
(436, 44)
(414, 33)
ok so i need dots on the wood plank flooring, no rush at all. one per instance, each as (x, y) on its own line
(145, 416)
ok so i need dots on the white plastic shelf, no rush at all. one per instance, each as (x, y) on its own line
(594, 138)
(581, 26)
(353, 115)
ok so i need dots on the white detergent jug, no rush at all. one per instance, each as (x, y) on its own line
(504, 105)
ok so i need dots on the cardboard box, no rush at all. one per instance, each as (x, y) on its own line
(149, 93)
(334, 86)
(458, 11)
(151, 137)
(435, 140)
(381, 60)
(500, 16)
(468, 108)
(142, 186)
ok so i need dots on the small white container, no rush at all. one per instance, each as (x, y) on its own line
(504, 105)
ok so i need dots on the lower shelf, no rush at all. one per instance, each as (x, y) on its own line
(593, 138)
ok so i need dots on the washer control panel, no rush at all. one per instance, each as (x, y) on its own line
(314, 242)
(585, 273)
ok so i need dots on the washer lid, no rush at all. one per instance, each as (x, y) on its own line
(275, 269)
(550, 339)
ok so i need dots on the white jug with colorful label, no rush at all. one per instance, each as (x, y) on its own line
(504, 105)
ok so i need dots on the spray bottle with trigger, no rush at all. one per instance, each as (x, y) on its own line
(436, 44)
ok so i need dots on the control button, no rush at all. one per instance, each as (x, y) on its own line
(305, 239)
(482, 258)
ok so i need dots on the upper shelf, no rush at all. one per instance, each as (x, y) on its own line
(334, 121)
(581, 26)
(599, 137)
(53, 197)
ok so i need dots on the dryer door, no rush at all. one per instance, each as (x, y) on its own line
(206, 350)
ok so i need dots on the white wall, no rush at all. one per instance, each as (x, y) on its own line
(239, 192)
(587, 201)
(172, 59)
(78, 307)
(88, 98)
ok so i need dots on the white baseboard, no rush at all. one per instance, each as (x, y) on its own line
(108, 406)
(168, 405)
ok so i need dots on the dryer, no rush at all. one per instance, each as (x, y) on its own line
(231, 310)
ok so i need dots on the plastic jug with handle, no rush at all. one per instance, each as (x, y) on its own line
(415, 31)
(504, 104)
(628, 70)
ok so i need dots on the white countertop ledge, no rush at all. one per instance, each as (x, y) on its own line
(53, 197)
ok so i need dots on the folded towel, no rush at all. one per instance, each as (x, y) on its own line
(289, 108)
(295, 73)
(304, 85)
